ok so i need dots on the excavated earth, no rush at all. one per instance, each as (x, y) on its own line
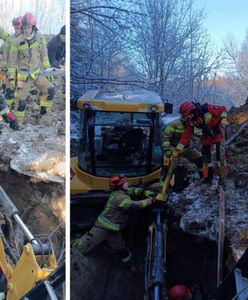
(32, 171)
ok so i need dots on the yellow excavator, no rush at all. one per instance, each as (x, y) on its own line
(120, 134)
(31, 274)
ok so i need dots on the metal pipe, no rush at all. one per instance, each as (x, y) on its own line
(50, 290)
(156, 293)
(24, 228)
(158, 218)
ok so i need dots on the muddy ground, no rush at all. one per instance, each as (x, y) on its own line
(41, 206)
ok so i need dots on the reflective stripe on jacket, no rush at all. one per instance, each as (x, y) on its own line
(171, 136)
(6, 48)
(116, 211)
(28, 57)
(3, 34)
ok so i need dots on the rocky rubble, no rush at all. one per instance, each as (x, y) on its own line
(38, 148)
(197, 207)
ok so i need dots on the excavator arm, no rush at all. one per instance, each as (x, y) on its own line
(35, 264)
(155, 257)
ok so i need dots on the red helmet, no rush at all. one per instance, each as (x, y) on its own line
(116, 181)
(179, 292)
(186, 108)
(16, 22)
(28, 19)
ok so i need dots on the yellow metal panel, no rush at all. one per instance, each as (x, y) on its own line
(27, 273)
(83, 182)
(116, 102)
(117, 106)
(4, 265)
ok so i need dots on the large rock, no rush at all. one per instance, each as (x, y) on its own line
(36, 151)
(197, 209)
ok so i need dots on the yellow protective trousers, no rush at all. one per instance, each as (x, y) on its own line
(96, 236)
(10, 95)
(46, 94)
(2, 80)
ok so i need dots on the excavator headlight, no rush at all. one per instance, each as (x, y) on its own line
(154, 108)
(86, 105)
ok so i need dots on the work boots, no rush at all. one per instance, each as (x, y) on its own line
(43, 110)
(11, 120)
(14, 125)
(207, 173)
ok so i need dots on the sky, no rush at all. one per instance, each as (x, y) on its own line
(225, 17)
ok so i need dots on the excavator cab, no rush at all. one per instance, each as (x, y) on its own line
(120, 134)
(117, 142)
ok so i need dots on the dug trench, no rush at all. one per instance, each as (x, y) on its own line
(41, 206)
(190, 260)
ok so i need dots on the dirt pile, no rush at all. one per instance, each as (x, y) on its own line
(101, 275)
(197, 211)
(238, 115)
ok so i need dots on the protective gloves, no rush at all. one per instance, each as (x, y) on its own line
(224, 123)
(159, 198)
(175, 154)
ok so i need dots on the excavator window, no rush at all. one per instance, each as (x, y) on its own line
(117, 142)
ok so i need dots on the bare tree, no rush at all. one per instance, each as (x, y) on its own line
(98, 38)
(236, 68)
(174, 49)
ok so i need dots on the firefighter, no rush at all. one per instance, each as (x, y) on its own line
(212, 120)
(29, 56)
(113, 219)
(5, 113)
(180, 292)
(56, 54)
(171, 136)
(56, 49)
(10, 92)
(2, 72)
(3, 34)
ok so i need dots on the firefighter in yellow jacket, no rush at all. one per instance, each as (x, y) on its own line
(10, 92)
(114, 217)
(5, 113)
(28, 56)
(171, 136)
(3, 36)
